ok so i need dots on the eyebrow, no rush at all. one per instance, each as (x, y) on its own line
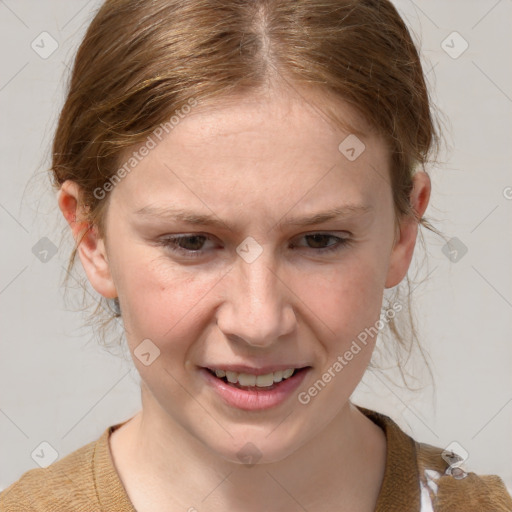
(198, 219)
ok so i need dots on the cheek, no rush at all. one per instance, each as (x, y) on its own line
(161, 301)
(344, 298)
(164, 301)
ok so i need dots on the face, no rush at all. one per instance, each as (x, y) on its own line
(247, 242)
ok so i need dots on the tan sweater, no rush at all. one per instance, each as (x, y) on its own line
(414, 480)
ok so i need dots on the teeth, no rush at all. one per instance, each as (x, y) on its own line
(232, 377)
(262, 381)
(244, 379)
(288, 373)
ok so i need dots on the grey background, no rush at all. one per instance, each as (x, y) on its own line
(59, 387)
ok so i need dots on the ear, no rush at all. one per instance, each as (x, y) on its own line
(401, 254)
(91, 250)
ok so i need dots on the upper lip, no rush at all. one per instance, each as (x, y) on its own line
(251, 370)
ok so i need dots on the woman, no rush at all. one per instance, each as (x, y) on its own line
(244, 180)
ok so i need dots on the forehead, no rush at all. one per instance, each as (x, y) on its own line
(277, 109)
(259, 148)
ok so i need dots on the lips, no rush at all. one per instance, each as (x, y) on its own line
(259, 396)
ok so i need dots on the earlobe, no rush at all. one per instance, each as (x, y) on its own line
(91, 248)
(403, 248)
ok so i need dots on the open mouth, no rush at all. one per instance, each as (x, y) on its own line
(248, 381)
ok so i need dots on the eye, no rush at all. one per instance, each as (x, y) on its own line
(193, 245)
(320, 242)
(190, 246)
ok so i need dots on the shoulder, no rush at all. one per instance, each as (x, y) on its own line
(432, 479)
(67, 484)
(447, 485)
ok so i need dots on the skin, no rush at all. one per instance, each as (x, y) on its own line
(253, 164)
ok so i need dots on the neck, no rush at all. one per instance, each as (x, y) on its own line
(341, 468)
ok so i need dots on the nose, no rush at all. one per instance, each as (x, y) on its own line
(257, 309)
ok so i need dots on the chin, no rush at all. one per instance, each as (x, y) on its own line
(250, 450)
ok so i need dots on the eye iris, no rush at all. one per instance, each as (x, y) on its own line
(319, 239)
(192, 243)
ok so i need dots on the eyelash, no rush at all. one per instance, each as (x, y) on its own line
(171, 243)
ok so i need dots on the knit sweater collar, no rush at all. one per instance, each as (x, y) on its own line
(400, 488)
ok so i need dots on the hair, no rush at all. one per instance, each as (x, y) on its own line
(142, 61)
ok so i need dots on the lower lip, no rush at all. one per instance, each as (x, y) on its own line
(255, 399)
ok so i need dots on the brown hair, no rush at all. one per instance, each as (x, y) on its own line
(142, 61)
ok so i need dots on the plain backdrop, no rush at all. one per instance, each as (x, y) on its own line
(59, 387)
